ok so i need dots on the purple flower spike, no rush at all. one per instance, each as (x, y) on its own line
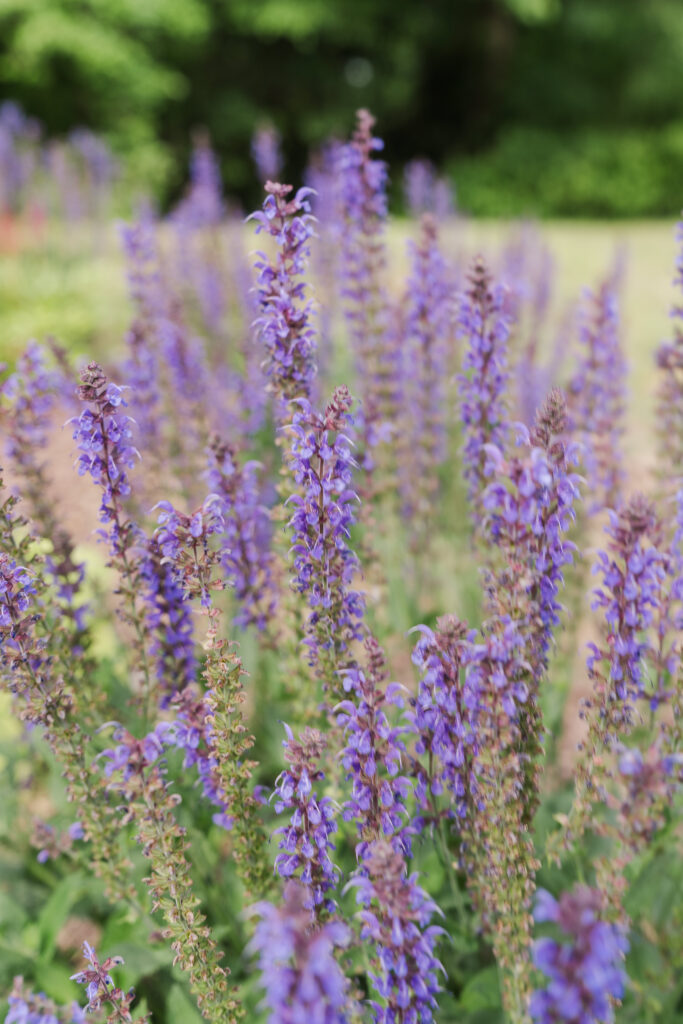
(284, 324)
(597, 396)
(266, 153)
(632, 570)
(396, 918)
(245, 554)
(103, 433)
(586, 972)
(484, 328)
(373, 755)
(424, 373)
(302, 980)
(306, 845)
(324, 511)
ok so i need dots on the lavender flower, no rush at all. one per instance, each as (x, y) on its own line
(302, 980)
(363, 182)
(284, 323)
(266, 153)
(26, 1007)
(245, 554)
(103, 434)
(586, 973)
(99, 987)
(418, 185)
(597, 396)
(529, 509)
(324, 563)
(373, 755)
(632, 570)
(444, 718)
(670, 391)
(183, 540)
(169, 621)
(423, 377)
(396, 918)
(306, 844)
(484, 328)
(203, 204)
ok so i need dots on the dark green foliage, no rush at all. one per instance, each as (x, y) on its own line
(556, 106)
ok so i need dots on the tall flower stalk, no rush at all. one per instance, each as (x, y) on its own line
(597, 396)
(284, 323)
(484, 329)
(423, 381)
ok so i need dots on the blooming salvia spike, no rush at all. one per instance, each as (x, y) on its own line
(670, 389)
(396, 918)
(184, 542)
(443, 719)
(306, 846)
(322, 177)
(133, 771)
(37, 662)
(363, 184)
(373, 755)
(101, 990)
(324, 510)
(423, 377)
(169, 622)
(199, 252)
(27, 1007)
(639, 796)
(31, 394)
(585, 972)
(597, 396)
(302, 979)
(484, 329)
(284, 324)
(245, 554)
(266, 153)
(633, 570)
(103, 432)
(419, 177)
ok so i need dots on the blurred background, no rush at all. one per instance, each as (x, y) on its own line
(533, 107)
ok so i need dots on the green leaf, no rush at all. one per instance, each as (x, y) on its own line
(55, 912)
(482, 992)
(180, 1009)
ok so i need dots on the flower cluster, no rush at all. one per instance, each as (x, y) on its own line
(586, 972)
(423, 377)
(484, 328)
(302, 979)
(632, 570)
(184, 542)
(104, 433)
(266, 153)
(597, 396)
(284, 322)
(169, 622)
(396, 918)
(529, 509)
(443, 717)
(26, 1007)
(374, 754)
(324, 563)
(425, 192)
(306, 844)
(99, 987)
(245, 555)
(363, 185)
